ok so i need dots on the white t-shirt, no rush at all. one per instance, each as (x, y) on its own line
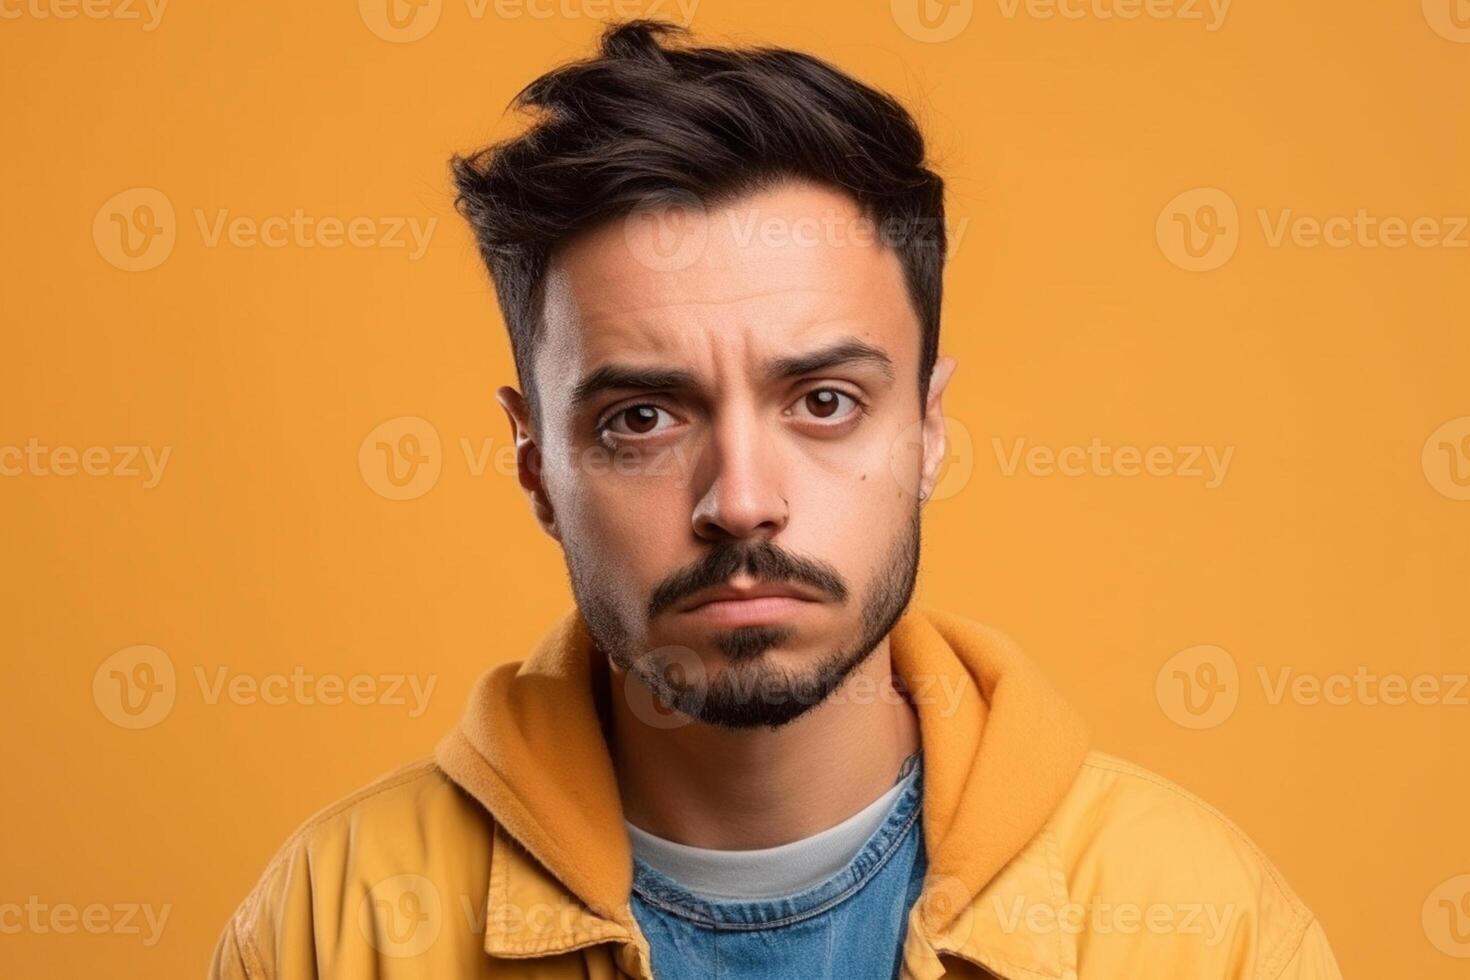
(767, 872)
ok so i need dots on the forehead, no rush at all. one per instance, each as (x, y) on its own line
(754, 278)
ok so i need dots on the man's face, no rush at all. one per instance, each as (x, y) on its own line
(740, 410)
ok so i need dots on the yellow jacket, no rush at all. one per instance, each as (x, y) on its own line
(506, 855)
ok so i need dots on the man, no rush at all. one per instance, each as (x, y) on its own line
(745, 753)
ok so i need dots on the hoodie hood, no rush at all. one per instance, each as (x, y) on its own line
(1001, 748)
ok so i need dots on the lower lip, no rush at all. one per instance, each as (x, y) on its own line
(744, 612)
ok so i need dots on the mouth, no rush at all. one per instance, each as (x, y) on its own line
(763, 603)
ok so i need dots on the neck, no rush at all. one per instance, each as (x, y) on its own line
(737, 789)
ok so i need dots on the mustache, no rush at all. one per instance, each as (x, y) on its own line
(764, 562)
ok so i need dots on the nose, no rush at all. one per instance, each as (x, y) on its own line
(743, 497)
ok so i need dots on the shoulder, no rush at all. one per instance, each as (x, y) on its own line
(393, 809)
(1128, 836)
(412, 829)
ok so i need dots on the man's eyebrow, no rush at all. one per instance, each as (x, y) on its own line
(614, 376)
(622, 376)
(844, 352)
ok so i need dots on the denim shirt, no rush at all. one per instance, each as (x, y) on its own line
(851, 925)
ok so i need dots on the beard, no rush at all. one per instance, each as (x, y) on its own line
(750, 691)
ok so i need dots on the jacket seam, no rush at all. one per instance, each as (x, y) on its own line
(1287, 954)
(249, 957)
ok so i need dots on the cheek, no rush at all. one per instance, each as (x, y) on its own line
(632, 529)
(849, 517)
(865, 477)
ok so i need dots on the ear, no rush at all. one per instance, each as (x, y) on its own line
(528, 458)
(935, 441)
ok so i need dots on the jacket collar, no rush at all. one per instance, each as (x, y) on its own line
(1000, 745)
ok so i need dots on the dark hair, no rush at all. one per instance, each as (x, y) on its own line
(643, 120)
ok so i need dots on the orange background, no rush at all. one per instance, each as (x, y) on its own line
(1334, 542)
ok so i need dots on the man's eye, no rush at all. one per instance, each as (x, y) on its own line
(636, 420)
(827, 404)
